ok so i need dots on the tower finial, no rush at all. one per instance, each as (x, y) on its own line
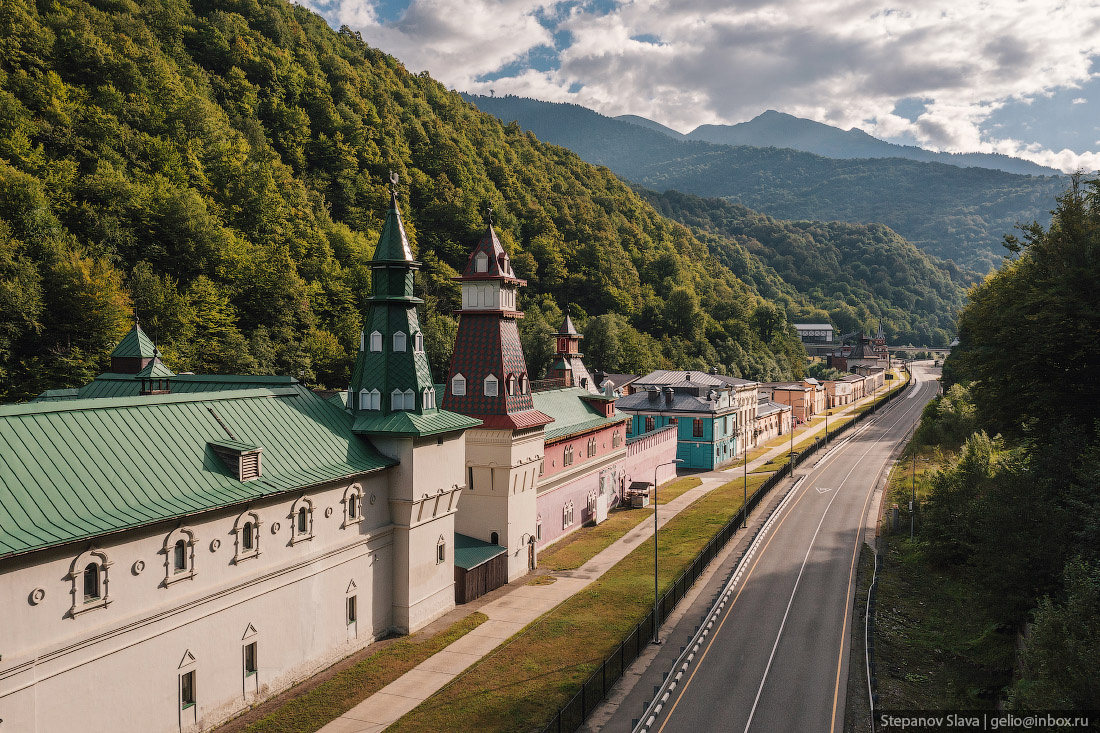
(489, 213)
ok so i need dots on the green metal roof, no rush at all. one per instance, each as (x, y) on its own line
(135, 345)
(111, 384)
(572, 414)
(155, 369)
(75, 469)
(429, 422)
(393, 244)
(471, 552)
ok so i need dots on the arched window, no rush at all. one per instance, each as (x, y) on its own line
(89, 576)
(399, 340)
(91, 582)
(375, 340)
(567, 458)
(301, 516)
(179, 557)
(491, 385)
(494, 538)
(247, 529)
(617, 438)
(538, 528)
(353, 505)
(429, 398)
(440, 550)
(481, 262)
(458, 385)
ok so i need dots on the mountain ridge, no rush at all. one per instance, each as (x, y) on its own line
(954, 213)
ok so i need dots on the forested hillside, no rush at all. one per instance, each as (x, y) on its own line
(854, 275)
(221, 168)
(1013, 520)
(953, 213)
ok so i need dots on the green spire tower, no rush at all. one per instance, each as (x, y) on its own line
(391, 390)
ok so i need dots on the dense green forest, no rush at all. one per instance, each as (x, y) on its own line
(1016, 516)
(954, 213)
(852, 275)
(220, 167)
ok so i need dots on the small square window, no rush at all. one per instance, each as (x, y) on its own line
(250, 659)
(187, 689)
(352, 610)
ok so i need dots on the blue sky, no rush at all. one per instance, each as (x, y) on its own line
(1007, 76)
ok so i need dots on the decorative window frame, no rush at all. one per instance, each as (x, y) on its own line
(418, 342)
(650, 424)
(491, 386)
(189, 541)
(567, 455)
(353, 493)
(593, 447)
(296, 536)
(538, 528)
(428, 398)
(698, 429)
(458, 385)
(617, 438)
(481, 262)
(510, 381)
(376, 341)
(440, 550)
(76, 575)
(524, 383)
(400, 342)
(241, 554)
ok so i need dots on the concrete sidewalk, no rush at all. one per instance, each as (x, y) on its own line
(513, 611)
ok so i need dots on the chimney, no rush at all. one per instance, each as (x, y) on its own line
(669, 392)
(714, 371)
(687, 376)
(653, 393)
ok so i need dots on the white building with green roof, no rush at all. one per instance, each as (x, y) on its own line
(175, 548)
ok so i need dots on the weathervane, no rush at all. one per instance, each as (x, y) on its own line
(489, 210)
(394, 178)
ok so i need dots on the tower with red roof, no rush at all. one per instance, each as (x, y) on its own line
(488, 380)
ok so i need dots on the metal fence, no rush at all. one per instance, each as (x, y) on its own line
(594, 690)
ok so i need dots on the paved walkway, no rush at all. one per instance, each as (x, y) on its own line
(519, 607)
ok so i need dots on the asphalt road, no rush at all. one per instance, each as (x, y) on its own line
(777, 657)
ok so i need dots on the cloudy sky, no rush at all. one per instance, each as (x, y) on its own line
(1020, 77)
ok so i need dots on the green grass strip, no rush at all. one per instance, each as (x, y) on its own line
(333, 698)
(520, 685)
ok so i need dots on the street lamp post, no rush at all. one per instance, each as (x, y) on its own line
(656, 591)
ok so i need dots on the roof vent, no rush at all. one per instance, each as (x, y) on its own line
(669, 392)
(242, 459)
(653, 393)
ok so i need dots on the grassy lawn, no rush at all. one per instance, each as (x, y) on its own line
(587, 542)
(336, 696)
(522, 683)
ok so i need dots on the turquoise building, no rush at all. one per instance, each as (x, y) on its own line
(710, 410)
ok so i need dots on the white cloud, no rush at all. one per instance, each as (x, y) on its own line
(843, 62)
(1080, 100)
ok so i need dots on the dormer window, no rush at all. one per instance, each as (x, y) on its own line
(375, 340)
(428, 398)
(242, 459)
(458, 385)
(511, 384)
(418, 342)
(481, 262)
(399, 341)
(371, 400)
(402, 400)
(491, 385)
(524, 384)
